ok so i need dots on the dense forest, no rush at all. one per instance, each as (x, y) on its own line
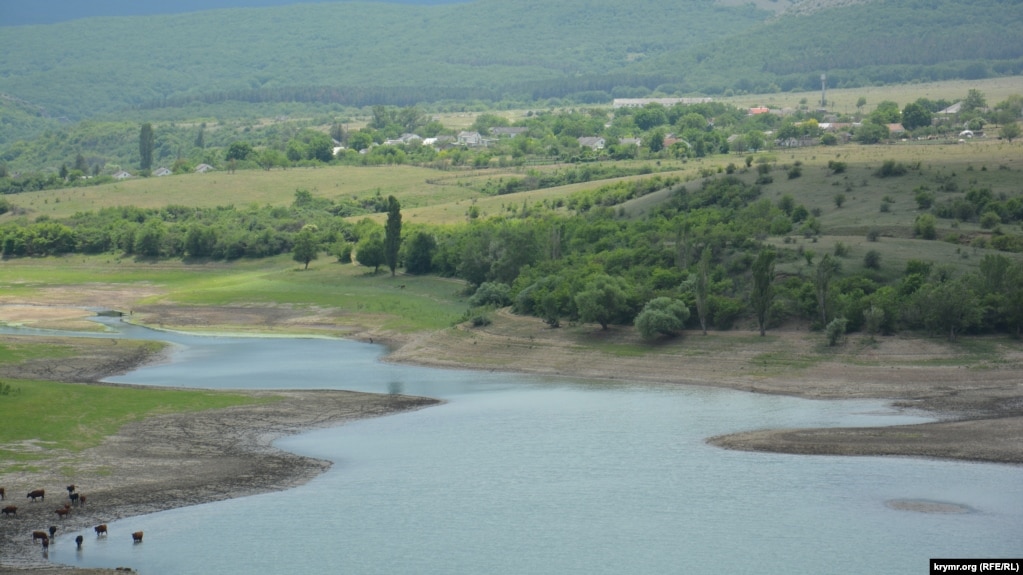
(487, 50)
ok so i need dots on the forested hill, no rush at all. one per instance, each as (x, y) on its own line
(484, 48)
(14, 13)
(860, 43)
(367, 53)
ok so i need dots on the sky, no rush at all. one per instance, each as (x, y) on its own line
(27, 12)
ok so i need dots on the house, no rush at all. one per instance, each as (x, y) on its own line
(593, 142)
(629, 141)
(203, 168)
(122, 175)
(896, 129)
(507, 132)
(470, 139)
(951, 110)
(160, 172)
(755, 111)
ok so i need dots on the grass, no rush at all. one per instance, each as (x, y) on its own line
(403, 303)
(73, 417)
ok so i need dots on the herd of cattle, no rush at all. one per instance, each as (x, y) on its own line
(74, 499)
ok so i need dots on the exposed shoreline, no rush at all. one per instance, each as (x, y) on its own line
(979, 407)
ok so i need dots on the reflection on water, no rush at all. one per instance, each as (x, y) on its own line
(524, 475)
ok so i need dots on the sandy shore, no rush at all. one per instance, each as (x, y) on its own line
(977, 398)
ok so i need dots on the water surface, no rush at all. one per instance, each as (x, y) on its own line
(517, 475)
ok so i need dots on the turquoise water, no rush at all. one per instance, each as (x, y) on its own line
(518, 475)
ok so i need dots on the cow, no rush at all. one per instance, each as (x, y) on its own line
(100, 529)
(74, 497)
(3, 493)
(37, 493)
(81, 499)
(40, 535)
(78, 541)
(136, 537)
(53, 531)
(10, 510)
(63, 512)
(70, 489)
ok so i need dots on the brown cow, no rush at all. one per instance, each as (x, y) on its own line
(3, 493)
(40, 535)
(136, 537)
(63, 512)
(101, 529)
(10, 510)
(81, 499)
(40, 493)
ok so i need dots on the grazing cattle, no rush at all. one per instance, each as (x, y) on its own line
(78, 541)
(70, 489)
(136, 537)
(53, 531)
(101, 529)
(46, 546)
(63, 512)
(40, 535)
(10, 510)
(81, 499)
(37, 493)
(3, 493)
(74, 497)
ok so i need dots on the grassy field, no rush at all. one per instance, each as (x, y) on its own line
(363, 298)
(37, 418)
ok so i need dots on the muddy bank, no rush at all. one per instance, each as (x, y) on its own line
(178, 460)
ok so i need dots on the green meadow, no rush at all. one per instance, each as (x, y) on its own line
(41, 416)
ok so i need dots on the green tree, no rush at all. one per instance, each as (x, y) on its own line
(146, 144)
(370, 251)
(662, 315)
(887, 112)
(238, 151)
(148, 240)
(419, 255)
(602, 300)
(762, 295)
(392, 233)
(270, 158)
(826, 270)
(1010, 131)
(915, 115)
(975, 100)
(702, 288)
(871, 133)
(306, 247)
(950, 306)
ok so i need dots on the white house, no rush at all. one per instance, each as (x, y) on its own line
(122, 175)
(203, 168)
(470, 139)
(160, 172)
(594, 142)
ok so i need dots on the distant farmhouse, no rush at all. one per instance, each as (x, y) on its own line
(667, 102)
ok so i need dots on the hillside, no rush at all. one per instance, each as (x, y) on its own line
(351, 53)
(859, 44)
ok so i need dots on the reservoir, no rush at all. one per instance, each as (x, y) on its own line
(525, 475)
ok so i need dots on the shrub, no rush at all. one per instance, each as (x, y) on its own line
(891, 169)
(836, 330)
(873, 235)
(872, 260)
(661, 315)
(491, 293)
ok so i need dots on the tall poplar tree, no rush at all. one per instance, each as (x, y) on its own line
(763, 287)
(392, 233)
(146, 146)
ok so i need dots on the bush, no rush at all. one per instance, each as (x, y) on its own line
(873, 235)
(836, 167)
(872, 260)
(891, 169)
(661, 315)
(491, 293)
(836, 330)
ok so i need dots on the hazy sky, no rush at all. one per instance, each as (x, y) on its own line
(20, 12)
